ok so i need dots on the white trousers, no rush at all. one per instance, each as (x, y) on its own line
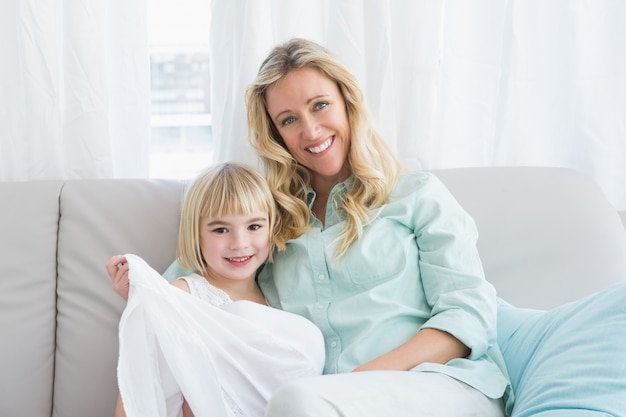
(381, 394)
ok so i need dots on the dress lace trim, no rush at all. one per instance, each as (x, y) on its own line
(201, 288)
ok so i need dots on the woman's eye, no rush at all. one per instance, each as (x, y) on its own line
(321, 105)
(289, 120)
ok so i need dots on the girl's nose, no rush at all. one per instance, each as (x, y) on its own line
(239, 240)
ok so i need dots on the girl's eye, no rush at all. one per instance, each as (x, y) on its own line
(289, 120)
(254, 227)
(220, 230)
(321, 105)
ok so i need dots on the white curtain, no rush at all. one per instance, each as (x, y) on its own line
(74, 89)
(452, 82)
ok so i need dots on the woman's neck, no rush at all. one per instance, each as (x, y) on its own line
(319, 206)
(323, 185)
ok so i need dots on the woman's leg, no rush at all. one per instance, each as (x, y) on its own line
(381, 393)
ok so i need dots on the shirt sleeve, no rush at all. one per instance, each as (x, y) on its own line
(463, 303)
(175, 271)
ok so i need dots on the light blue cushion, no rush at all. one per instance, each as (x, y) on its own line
(569, 361)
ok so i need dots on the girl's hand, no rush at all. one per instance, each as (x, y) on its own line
(117, 268)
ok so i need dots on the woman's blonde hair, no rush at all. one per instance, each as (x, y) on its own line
(229, 188)
(374, 166)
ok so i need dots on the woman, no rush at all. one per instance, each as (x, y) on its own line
(383, 262)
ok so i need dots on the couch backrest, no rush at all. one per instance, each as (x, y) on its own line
(547, 235)
(58, 312)
(101, 218)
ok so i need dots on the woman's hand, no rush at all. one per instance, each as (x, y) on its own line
(117, 268)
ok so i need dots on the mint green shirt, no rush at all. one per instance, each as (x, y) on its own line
(416, 266)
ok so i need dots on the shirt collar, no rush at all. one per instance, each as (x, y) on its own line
(333, 213)
(340, 189)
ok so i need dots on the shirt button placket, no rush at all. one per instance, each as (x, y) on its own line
(323, 292)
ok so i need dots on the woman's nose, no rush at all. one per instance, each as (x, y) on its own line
(310, 128)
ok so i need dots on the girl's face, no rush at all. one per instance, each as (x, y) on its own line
(310, 114)
(234, 246)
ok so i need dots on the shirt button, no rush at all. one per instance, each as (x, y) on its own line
(320, 277)
(333, 344)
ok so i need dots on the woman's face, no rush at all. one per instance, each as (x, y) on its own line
(309, 112)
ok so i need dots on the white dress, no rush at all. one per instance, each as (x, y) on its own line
(226, 358)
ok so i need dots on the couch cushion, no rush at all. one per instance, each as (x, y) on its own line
(569, 361)
(28, 245)
(547, 235)
(100, 218)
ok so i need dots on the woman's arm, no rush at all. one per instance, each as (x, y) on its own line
(462, 304)
(428, 345)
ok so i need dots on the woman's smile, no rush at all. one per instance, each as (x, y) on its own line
(321, 148)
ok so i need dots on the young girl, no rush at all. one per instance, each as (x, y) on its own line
(216, 343)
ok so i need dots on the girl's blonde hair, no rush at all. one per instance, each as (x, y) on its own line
(374, 166)
(230, 188)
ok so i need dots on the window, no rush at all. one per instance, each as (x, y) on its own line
(181, 133)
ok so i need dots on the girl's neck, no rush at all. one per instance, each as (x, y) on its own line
(253, 294)
(238, 290)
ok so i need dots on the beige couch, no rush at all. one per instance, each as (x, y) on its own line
(547, 236)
